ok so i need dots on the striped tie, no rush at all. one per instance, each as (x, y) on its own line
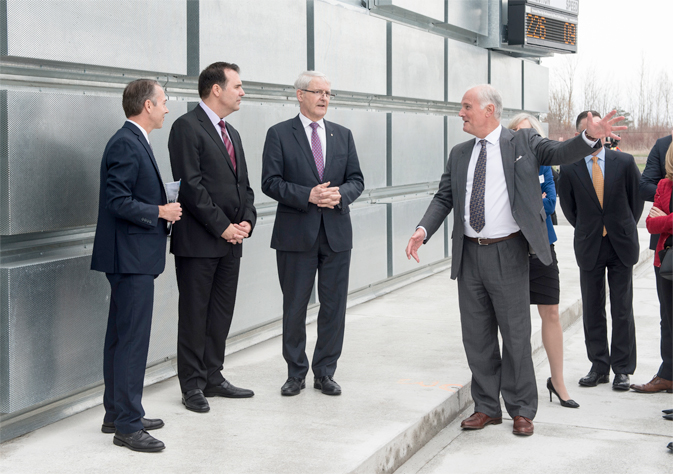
(227, 144)
(597, 178)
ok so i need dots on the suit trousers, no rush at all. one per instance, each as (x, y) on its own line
(205, 309)
(127, 342)
(493, 293)
(622, 353)
(665, 293)
(296, 271)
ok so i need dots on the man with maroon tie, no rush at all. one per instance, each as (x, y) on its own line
(207, 156)
(311, 168)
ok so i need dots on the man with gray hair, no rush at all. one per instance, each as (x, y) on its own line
(492, 182)
(310, 166)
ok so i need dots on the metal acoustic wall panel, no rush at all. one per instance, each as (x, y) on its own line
(252, 121)
(369, 258)
(455, 132)
(266, 38)
(347, 41)
(406, 216)
(56, 142)
(56, 327)
(472, 15)
(258, 300)
(369, 134)
(535, 87)
(430, 8)
(133, 34)
(418, 64)
(164, 336)
(159, 138)
(467, 67)
(418, 148)
(506, 77)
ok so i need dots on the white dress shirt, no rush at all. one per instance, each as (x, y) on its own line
(216, 121)
(306, 122)
(147, 137)
(497, 210)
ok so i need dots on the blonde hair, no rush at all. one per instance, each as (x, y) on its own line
(535, 123)
(669, 162)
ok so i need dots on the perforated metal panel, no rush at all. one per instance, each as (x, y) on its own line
(249, 34)
(417, 72)
(370, 250)
(347, 41)
(132, 34)
(418, 148)
(467, 67)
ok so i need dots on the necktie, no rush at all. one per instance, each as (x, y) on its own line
(227, 144)
(597, 178)
(316, 147)
(477, 217)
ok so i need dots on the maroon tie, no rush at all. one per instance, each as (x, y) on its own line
(227, 144)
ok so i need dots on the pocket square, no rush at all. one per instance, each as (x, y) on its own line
(520, 156)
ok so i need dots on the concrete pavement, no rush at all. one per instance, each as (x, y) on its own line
(405, 378)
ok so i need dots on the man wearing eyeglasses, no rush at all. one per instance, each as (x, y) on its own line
(310, 166)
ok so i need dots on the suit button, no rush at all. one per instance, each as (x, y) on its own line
(236, 210)
(320, 209)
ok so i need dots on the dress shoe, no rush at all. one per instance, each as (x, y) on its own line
(668, 411)
(594, 378)
(670, 445)
(148, 424)
(621, 382)
(478, 420)
(564, 403)
(141, 441)
(522, 426)
(657, 384)
(195, 401)
(327, 385)
(225, 389)
(668, 417)
(293, 386)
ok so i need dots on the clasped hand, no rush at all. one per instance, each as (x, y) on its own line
(324, 196)
(235, 233)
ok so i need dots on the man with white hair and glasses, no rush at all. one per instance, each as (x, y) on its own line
(492, 182)
(310, 166)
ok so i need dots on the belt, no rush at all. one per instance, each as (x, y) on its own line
(482, 241)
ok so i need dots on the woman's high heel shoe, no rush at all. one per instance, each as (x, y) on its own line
(564, 403)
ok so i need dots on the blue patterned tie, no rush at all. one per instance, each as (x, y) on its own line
(477, 218)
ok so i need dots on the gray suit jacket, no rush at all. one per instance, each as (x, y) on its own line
(522, 154)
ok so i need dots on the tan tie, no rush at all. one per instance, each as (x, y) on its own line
(597, 178)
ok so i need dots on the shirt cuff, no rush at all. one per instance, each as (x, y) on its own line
(587, 141)
(424, 231)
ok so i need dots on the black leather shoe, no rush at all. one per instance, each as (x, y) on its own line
(668, 417)
(293, 386)
(141, 441)
(327, 385)
(621, 382)
(148, 424)
(594, 378)
(195, 401)
(225, 389)
(668, 411)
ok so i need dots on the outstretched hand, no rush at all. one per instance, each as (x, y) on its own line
(602, 128)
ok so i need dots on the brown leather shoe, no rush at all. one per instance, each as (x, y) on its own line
(657, 384)
(478, 420)
(522, 426)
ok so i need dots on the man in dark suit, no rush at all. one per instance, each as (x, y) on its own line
(311, 168)
(599, 197)
(130, 247)
(492, 182)
(207, 156)
(655, 170)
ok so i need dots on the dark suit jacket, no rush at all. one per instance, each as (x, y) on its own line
(288, 175)
(655, 170)
(522, 154)
(212, 195)
(130, 237)
(621, 210)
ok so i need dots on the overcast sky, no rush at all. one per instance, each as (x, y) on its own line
(615, 34)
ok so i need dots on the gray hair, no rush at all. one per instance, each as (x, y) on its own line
(487, 94)
(534, 122)
(305, 78)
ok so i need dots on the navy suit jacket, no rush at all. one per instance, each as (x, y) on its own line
(212, 194)
(288, 175)
(130, 237)
(620, 213)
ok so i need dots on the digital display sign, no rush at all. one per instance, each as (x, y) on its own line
(545, 24)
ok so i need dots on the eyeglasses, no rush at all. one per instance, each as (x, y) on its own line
(326, 94)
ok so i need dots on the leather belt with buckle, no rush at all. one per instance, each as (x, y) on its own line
(483, 241)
